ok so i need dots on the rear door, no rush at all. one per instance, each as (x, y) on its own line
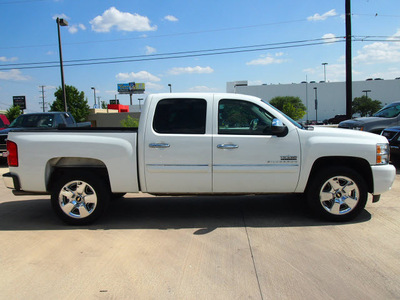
(178, 146)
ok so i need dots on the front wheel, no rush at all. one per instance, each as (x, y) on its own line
(80, 197)
(337, 194)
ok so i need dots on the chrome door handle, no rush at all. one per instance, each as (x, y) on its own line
(227, 146)
(159, 145)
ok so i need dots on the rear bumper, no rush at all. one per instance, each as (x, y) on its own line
(384, 177)
(11, 181)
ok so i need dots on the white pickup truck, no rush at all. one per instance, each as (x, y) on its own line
(194, 144)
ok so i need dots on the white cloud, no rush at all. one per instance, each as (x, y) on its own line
(150, 50)
(142, 75)
(191, 70)
(268, 60)
(318, 17)
(330, 38)
(61, 16)
(10, 59)
(202, 89)
(13, 75)
(379, 52)
(75, 28)
(171, 18)
(122, 21)
(154, 86)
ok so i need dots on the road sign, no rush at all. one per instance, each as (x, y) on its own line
(20, 101)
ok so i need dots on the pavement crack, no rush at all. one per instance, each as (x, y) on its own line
(252, 256)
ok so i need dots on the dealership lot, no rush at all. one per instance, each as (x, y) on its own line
(254, 247)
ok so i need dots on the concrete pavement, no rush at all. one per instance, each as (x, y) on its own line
(254, 247)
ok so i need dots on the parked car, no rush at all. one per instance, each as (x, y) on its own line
(39, 121)
(388, 116)
(393, 136)
(337, 119)
(3, 122)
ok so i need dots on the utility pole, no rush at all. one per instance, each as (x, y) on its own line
(349, 80)
(43, 103)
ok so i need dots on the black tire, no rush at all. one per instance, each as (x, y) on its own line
(337, 194)
(80, 197)
(116, 196)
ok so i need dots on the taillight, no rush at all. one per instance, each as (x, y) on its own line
(12, 155)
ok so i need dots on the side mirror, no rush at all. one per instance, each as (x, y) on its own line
(278, 128)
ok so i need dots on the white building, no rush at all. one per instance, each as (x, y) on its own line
(331, 95)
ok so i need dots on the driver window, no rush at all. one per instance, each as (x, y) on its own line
(243, 118)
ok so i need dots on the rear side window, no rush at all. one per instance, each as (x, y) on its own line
(68, 119)
(181, 116)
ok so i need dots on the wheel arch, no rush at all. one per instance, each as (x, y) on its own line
(57, 167)
(358, 164)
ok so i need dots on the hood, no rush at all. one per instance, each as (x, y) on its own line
(353, 135)
(361, 122)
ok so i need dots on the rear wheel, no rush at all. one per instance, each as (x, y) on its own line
(80, 197)
(337, 194)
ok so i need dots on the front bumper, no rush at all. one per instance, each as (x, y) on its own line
(384, 176)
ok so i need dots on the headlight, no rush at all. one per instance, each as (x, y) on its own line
(359, 128)
(382, 154)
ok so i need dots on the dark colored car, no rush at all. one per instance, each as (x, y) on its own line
(393, 136)
(388, 116)
(337, 119)
(39, 121)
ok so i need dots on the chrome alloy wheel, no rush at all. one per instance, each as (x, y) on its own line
(77, 199)
(339, 195)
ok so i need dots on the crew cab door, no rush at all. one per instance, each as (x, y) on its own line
(178, 144)
(247, 157)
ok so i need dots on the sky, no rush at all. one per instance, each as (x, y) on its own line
(195, 46)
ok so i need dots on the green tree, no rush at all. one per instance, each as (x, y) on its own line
(77, 105)
(130, 122)
(365, 106)
(291, 106)
(13, 112)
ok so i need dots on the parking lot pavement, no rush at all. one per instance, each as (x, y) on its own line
(254, 247)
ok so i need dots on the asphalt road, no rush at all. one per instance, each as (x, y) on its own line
(254, 247)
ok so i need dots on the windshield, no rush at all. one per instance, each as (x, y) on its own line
(289, 118)
(389, 111)
(39, 120)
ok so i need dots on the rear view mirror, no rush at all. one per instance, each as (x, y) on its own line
(278, 128)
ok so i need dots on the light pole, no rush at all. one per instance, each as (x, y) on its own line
(62, 22)
(94, 91)
(306, 82)
(366, 92)
(316, 106)
(170, 87)
(324, 64)
(140, 107)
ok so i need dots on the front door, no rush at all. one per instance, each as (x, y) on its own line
(247, 158)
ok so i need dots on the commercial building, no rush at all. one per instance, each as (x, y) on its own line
(331, 95)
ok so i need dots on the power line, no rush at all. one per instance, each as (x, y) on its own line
(173, 55)
(194, 53)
